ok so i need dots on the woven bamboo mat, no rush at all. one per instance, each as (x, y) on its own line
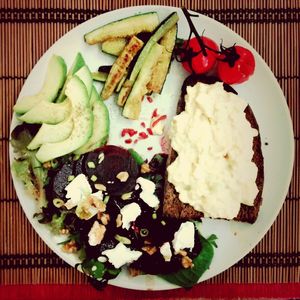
(29, 28)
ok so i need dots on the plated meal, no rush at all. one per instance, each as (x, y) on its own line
(137, 171)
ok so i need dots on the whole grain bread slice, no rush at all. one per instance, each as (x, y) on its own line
(173, 207)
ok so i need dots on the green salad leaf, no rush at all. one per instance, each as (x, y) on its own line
(189, 277)
(26, 166)
(57, 222)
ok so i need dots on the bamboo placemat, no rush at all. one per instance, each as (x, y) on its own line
(29, 28)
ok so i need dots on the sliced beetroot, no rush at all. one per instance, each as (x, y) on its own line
(106, 164)
(61, 179)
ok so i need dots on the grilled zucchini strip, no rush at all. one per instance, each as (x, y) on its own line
(114, 46)
(120, 66)
(130, 26)
(162, 29)
(132, 106)
(161, 70)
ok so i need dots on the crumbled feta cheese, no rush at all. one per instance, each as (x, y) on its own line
(77, 190)
(121, 255)
(165, 251)
(147, 194)
(96, 234)
(184, 237)
(129, 214)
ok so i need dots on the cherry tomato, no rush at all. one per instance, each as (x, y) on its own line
(237, 70)
(200, 63)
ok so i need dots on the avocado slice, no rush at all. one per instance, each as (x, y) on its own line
(83, 123)
(47, 112)
(54, 80)
(85, 75)
(100, 125)
(77, 64)
(49, 133)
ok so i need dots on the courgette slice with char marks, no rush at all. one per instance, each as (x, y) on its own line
(161, 70)
(132, 107)
(120, 66)
(126, 27)
(114, 46)
(161, 30)
(99, 76)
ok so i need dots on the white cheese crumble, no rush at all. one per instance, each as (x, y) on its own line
(147, 194)
(129, 214)
(96, 234)
(77, 190)
(121, 255)
(213, 171)
(184, 237)
(165, 251)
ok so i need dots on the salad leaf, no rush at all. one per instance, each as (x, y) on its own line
(57, 222)
(26, 166)
(137, 157)
(94, 268)
(189, 277)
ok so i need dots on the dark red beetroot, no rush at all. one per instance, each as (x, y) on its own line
(104, 166)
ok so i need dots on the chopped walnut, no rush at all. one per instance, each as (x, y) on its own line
(70, 247)
(47, 165)
(119, 220)
(96, 202)
(182, 252)
(149, 249)
(145, 168)
(134, 272)
(123, 176)
(104, 218)
(187, 262)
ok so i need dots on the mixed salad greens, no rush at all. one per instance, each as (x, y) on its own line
(106, 199)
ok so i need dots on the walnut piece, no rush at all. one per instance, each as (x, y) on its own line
(149, 249)
(187, 262)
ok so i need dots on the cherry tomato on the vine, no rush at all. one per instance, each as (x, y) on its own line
(239, 70)
(200, 63)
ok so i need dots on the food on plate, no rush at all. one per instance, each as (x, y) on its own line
(197, 59)
(130, 26)
(161, 30)
(236, 64)
(215, 167)
(201, 55)
(54, 80)
(114, 46)
(161, 69)
(133, 103)
(134, 77)
(110, 211)
(120, 66)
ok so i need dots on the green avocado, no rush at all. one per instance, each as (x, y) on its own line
(83, 120)
(55, 78)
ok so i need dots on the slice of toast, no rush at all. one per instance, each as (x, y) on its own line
(174, 208)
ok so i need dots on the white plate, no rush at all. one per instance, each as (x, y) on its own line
(262, 92)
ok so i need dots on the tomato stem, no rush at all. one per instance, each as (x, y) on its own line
(193, 29)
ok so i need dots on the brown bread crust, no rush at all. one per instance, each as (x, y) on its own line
(174, 208)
